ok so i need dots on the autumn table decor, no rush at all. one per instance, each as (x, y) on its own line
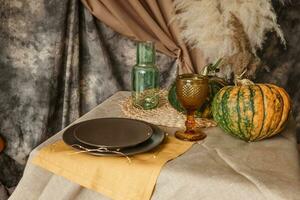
(192, 91)
(214, 85)
(247, 110)
(252, 111)
(148, 102)
(145, 77)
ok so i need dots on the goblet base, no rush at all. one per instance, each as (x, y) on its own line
(193, 136)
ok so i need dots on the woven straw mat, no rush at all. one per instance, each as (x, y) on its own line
(163, 115)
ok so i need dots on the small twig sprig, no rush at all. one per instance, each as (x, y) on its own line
(100, 150)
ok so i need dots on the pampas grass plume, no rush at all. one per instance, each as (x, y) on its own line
(205, 24)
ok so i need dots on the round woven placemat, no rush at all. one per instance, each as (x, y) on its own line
(163, 115)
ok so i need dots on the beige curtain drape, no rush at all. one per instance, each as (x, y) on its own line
(148, 20)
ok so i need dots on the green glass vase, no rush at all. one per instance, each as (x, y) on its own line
(145, 77)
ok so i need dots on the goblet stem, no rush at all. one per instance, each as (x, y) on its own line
(190, 133)
(190, 122)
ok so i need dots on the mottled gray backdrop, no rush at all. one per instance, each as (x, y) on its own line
(57, 62)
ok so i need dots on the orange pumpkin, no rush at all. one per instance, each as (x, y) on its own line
(252, 112)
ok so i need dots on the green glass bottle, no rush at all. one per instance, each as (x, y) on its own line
(145, 77)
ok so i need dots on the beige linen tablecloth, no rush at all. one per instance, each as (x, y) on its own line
(220, 167)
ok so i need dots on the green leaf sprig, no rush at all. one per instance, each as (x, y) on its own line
(211, 68)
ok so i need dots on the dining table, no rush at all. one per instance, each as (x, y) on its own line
(219, 167)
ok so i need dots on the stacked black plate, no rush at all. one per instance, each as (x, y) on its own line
(108, 136)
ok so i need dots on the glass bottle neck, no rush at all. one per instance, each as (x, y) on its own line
(145, 54)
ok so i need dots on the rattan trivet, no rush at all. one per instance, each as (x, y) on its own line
(163, 115)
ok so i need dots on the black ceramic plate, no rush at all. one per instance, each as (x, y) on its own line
(156, 139)
(112, 133)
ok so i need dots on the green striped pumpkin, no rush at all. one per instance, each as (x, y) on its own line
(215, 84)
(251, 112)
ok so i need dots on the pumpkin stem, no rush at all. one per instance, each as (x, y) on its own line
(239, 80)
(243, 82)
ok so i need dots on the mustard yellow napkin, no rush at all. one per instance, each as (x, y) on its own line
(114, 177)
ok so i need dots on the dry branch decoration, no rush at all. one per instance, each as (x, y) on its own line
(233, 30)
(243, 63)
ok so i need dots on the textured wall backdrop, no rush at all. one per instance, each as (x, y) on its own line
(284, 64)
(57, 62)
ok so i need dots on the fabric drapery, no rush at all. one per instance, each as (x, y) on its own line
(148, 20)
(57, 62)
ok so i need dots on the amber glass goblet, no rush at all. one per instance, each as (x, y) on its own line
(192, 91)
